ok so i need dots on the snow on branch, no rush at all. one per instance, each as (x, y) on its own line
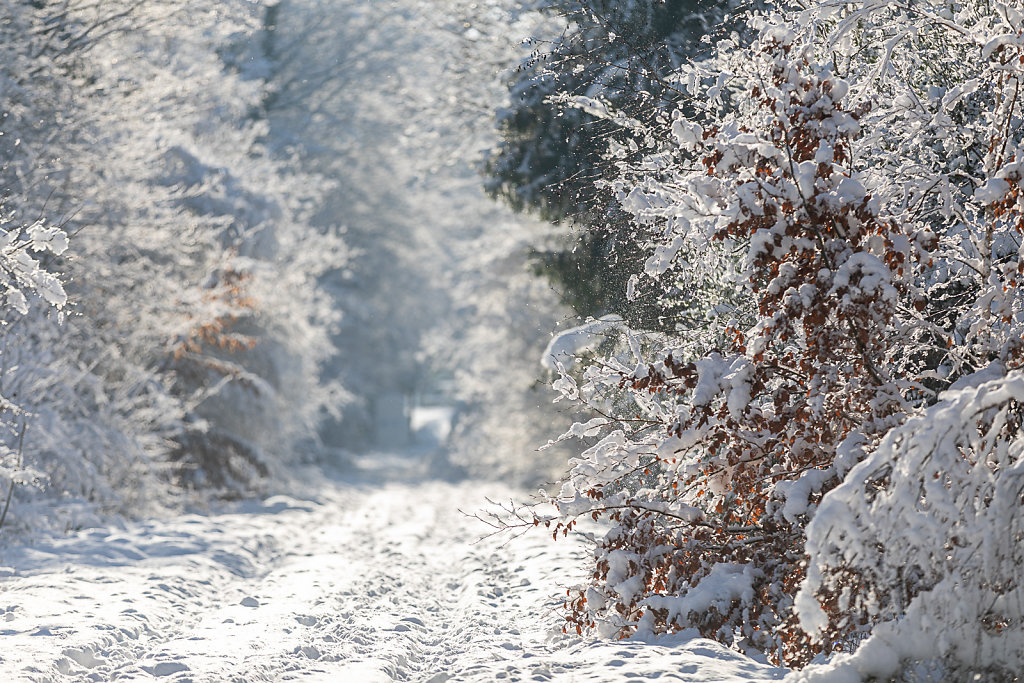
(839, 211)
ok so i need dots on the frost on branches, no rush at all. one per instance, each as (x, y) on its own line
(836, 208)
(22, 274)
(142, 199)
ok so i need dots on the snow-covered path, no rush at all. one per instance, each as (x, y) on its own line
(362, 583)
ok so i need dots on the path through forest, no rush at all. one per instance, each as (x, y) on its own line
(352, 582)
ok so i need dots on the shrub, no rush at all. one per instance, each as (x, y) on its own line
(836, 212)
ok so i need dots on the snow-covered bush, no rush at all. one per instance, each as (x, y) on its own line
(836, 210)
(925, 534)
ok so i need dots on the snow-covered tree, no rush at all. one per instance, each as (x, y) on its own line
(438, 287)
(551, 153)
(195, 326)
(835, 209)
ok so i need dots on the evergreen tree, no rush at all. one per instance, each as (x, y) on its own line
(612, 53)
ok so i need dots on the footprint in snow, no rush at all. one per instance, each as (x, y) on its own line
(84, 657)
(309, 651)
(165, 668)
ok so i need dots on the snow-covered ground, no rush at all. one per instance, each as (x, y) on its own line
(359, 580)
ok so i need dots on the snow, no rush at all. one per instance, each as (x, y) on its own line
(992, 191)
(567, 344)
(718, 589)
(357, 579)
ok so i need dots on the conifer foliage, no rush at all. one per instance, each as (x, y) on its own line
(824, 448)
(551, 153)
